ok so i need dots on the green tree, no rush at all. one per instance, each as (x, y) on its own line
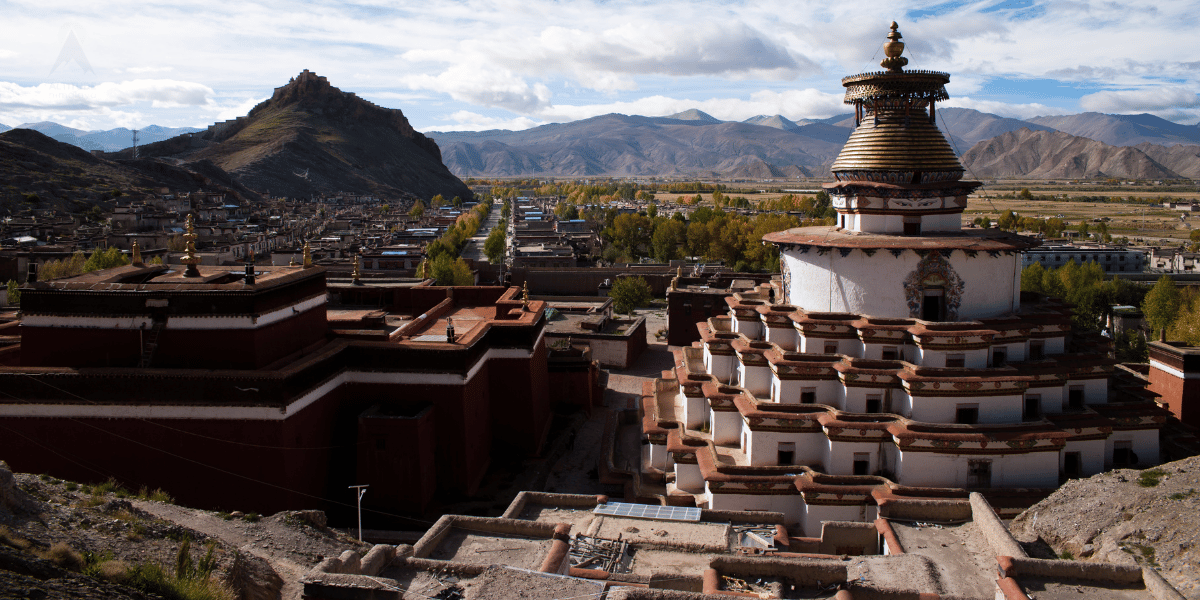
(669, 234)
(105, 259)
(451, 271)
(494, 246)
(1194, 235)
(14, 294)
(418, 210)
(1161, 304)
(652, 210)
(437, 201)
(1025, 194)
(630, 233)
(629, 293)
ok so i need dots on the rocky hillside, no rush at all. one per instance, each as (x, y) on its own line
(1058, 155)
(39, 172)
(312, 138)
(1148, 518)
(62, 540)
(622, 145)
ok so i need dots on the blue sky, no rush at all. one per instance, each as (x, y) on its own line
(513, 64)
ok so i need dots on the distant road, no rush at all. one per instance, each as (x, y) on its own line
(474, 248)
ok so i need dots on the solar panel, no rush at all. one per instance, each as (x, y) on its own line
(648, 511)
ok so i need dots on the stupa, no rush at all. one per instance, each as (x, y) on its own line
(896, 359)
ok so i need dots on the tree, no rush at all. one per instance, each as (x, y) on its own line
(1024, 194)
(668, 235)
(1194, 235)
(630, 233)
(14, 294)
(1161, 304)
(437, 201)
(451, 271)
(494, 246)
(629, 293)
(105, 259)
(418, 210)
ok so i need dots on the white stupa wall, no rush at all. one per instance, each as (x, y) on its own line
(874, 285)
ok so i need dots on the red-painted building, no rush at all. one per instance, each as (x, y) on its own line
(252, 394)
(1175, 376)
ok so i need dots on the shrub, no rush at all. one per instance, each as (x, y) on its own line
(629, 293)
(1151, 477)
(65, 557)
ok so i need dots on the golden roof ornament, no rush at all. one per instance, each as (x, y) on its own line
(307, 256)
(190, 259)
(893, 49)
(525, 295)
(136, 253)
(357, 273)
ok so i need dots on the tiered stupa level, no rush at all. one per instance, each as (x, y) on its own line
(897, 359)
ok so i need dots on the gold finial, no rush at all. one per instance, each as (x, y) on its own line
(307, 256)
(893, 49)
(136, 259)
(357, 272)
(525, 295)
(675, 281)
(190, 259)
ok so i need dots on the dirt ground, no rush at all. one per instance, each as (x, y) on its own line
(965, 562)
(1145, 518)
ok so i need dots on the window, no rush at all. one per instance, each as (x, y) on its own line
(874, 403)
(956, 360)
(979, 473)
(1123, 454)
(966, 414)
(381, 443)
(890, 353)
(808, 395)
(912, 227)
(999, 357)
(1072, 465)
(1037, 350)
(831, 348)
(862, 463)
(1075, 397)
(786, 454)
(1033, 407)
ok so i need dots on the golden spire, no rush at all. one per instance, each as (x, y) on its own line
(357, 271)
(136, 252)
(525, 295)
(307, 256)
(190, 259)
(893, 49)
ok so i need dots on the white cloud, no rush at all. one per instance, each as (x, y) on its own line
(147, 69)
(1144, 100)
(161, 93)
(464, 120)
(7, 53)
(233, 111)
(482, 86)
(1006, 109)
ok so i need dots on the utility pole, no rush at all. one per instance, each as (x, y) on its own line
(362, 489)
(135, 141)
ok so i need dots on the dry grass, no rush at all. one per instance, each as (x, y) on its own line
(64, 556)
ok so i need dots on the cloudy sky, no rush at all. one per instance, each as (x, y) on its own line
(514, 64)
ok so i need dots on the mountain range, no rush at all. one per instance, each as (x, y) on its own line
(311, 137)
(109, 140)
(695, 144)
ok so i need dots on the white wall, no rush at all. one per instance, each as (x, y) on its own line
(721, 366)
(1091, 456)
(992, 409)
(751, 328)
(688, 478)
(1145, 445)
(840, 458)
(726, 427)
(790, 505)
(874, 285)
(932, 469)
(756, 379)
(695, 411)
(764, 447)
(816, 515)
(784, 337)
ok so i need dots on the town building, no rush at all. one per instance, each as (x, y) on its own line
(896, 355)
(243, 388)
(1113, 259)
(1174, 376)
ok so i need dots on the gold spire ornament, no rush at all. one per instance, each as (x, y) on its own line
(307, 256)
(525, 295)
(357, 273)
(136, 254)
(190, 259)
(893, 49)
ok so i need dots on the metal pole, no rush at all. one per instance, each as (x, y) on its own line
(362, 489)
